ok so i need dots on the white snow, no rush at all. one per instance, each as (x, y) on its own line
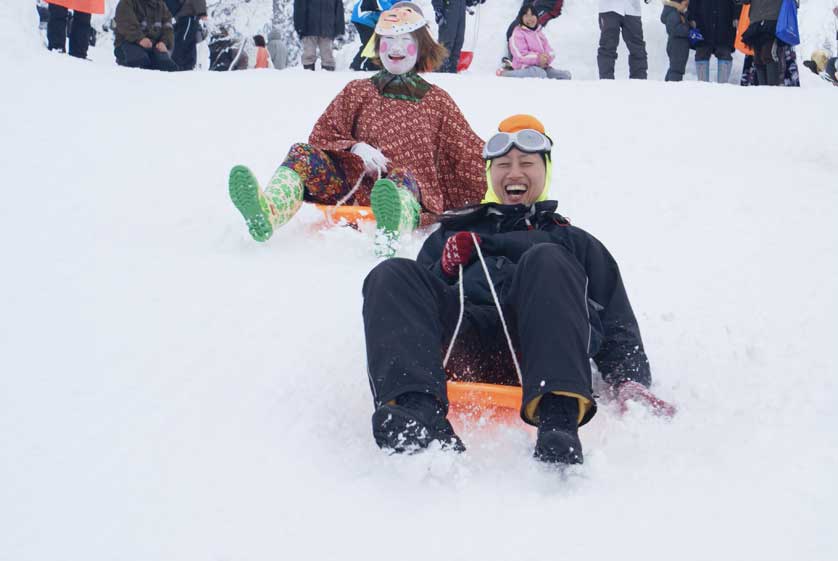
(171, 390)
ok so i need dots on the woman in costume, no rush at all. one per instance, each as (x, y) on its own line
(392, 141)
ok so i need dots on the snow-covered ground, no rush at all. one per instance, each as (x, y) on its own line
(171, 390)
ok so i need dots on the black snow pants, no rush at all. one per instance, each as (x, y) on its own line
(610, 26)
(134, 56)
(410, 315)
(57, 31)
(452, 34)
(185, 52)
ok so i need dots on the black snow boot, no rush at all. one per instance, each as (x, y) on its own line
(416, 420)
(308, 66)
(558, 430)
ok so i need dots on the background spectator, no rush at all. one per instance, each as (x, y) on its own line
(546, 10)
(263, 57)
(80, 29)
(318, 22)
(144, 35)
(277, 50)
(189, 31)
(674, 18)
(226, 52)
(531, 52)
(451, 18)
(716, 20)
(617, 16)
(760, 37)
(365, 15)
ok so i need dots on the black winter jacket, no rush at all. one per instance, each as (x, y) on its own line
(506, 233)
(319, 18)
(714, 18)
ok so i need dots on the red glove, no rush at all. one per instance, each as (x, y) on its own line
(458, 250)
(632, 391)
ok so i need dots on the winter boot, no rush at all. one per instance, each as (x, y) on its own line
(328, 68)
(396, 212)
(412, 423)
(308, 67)
(702, 69)
(265, 212)
(723, 71)
(558, 430)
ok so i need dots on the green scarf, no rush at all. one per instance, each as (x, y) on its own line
(408, 87)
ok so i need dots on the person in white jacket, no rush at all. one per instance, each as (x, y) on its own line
(616, 16)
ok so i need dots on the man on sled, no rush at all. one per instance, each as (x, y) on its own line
(560, 293)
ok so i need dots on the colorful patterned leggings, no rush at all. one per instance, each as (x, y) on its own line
(324, 180)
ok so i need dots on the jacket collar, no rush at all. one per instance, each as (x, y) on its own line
(504, 217)
(409, 86)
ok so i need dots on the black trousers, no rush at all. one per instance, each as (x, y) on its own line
(359, 62)
(134, 56)
(452, 34)
(185, 52)
(57, 31)
(410, 315)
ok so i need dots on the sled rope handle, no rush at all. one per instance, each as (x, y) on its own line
(459, 322)
(347, 196)
(497, 304)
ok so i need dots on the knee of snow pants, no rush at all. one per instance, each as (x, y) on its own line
(408, 313)
(547, 306)
(132, 56)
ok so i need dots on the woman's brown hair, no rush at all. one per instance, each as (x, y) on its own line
(431, 54)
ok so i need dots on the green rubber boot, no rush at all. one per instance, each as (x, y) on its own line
(396, 212)
(265, 212)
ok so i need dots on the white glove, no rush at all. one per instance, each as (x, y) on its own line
(374, 160)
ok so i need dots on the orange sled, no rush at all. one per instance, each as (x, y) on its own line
(348, 213)
(474, 400)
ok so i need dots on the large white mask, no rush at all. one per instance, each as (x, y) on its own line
(398, 54)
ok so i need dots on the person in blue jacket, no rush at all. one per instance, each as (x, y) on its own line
(559, 290)
(365, 15)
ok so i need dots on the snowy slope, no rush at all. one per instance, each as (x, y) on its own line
(170, 390)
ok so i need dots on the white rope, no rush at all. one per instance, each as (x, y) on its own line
(348, 196)
(497, 304)
(500, 312)
(459, 322)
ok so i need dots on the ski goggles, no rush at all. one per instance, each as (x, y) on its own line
(526, 140)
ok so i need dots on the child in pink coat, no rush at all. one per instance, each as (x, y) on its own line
(531, 53)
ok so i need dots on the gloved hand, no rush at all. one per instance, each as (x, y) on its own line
(374, 160)
(633, 391)
(458, 250)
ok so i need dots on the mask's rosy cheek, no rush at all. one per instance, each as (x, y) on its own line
(384, 46)
(411, 49)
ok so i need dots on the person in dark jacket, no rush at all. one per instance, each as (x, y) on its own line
(674, 18)
(760, 36)
(560, 293)
(318, 22)
(144, 35)
(188, 31)
(717, 21)
(450, 16)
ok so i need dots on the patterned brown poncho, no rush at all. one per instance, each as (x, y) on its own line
(428, 137)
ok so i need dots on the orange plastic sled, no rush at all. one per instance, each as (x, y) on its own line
(348, 213)
(473, 399)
